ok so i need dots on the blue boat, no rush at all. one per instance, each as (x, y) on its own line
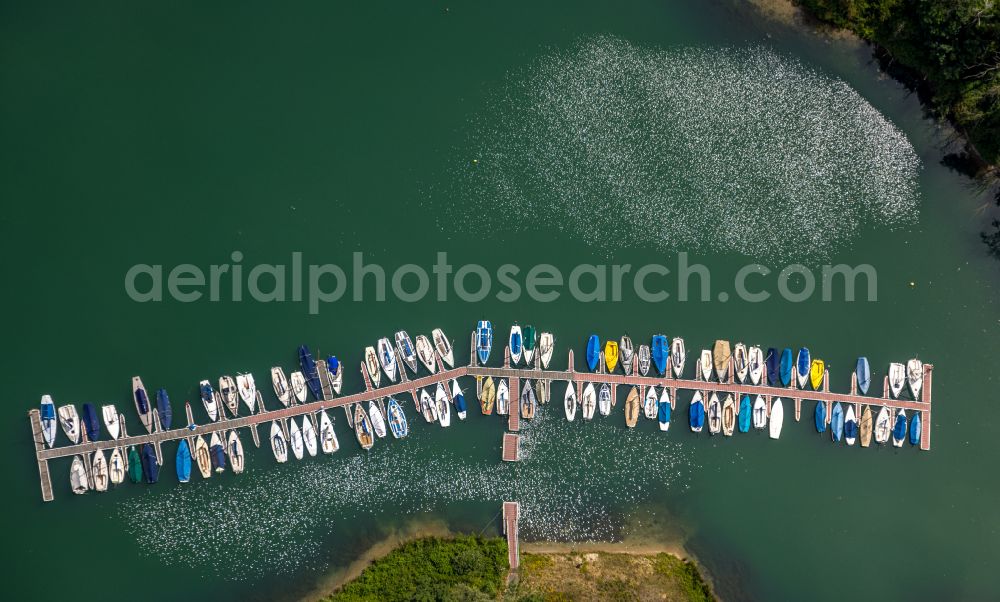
(772, 366)
(516, 343)
(660, 352)
(864, 373)
(309, 371)
(743, 421)
(820, 417)
(802, 365)
(397, 420)
(593, 352)
(837, 422)
(785, 367)
(915, 429)
(696, 414)
(663, 413)
(183, 462)
(163, 409)
(484, 340)
(460, 404)
(91, 422)
(150, 469)
(899, 430)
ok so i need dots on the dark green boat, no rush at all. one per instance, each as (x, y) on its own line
(528, 341)
(134, 465)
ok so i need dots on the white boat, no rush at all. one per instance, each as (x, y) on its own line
(755, 363)
(589, 401)
(377, 419)
(247, 387)
(387, 358)
(78, 476)
(713, 414)
(371, 366)
(664, 399)
(678, 355)
(336, 376)
(898, 441)
(427, 407)
(327, 437)
(278, 444)
(625, 353)
(728, 415)
(897, 378)
(111, 420)
(776, 419)
(849, 417)
(456, 391)
(546, 347)
(604, 400)
(142, 404)
(426, 353)
(280, 383)
(741, 366)
(299, 386)
(202, 457)
(443, 407)
(570, 402)
(216, 442)
(443, 346)
(759, 413)
(515, 344)
(70, 422)
(309, 435)
(915, 377)
(503, 398)
(116, 467)
(99, 469)
(706, 365)
(644, 359)
(208, 398)
(406, 351)
(295, 439)
(649, 407)
(698, 398)
(227, 389)
(883, 426)
(234, 449)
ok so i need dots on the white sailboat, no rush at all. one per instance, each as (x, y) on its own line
(570, 402)
(280, 383)
(443, 346)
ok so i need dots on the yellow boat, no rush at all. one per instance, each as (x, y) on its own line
(816, 374)
(488, 396)
(611, 355)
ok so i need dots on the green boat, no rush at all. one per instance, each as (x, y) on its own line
(134, 465)
(529, 344)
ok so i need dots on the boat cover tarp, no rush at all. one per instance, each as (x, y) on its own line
(90, 422)
(150, 469)
(821, 417)
(772, 366)
(785, 367)
(183, 461)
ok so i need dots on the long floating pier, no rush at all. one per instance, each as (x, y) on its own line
(511, 442)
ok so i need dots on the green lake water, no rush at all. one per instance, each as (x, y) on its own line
(180, 134)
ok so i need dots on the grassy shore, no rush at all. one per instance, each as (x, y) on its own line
(475, 568)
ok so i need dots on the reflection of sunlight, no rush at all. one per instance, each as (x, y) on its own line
(731, 150)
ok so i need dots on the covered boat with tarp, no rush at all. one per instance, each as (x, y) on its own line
(183, 461)
(484, 340)
(696, 413)
(785, 367)
(150, 468)
(593, 352)
(47, 413)
(91, 423)
(772, 365)
(745, 414)
(310, 372)
(163, 411)
(864, 373)
(134, 465)
(659, 352)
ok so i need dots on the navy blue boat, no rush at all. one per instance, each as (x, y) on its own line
(150, 469)
(660, 351)
(772, 366)
(915, 429)
(91, 423)
(218, 455)
(696, 414)
(163, 409)
(785, 367)
(308, 365)
(820, 417)
(593, 352)
(899, 430)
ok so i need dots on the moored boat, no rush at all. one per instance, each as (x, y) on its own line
(230, 398)
(850, 425)
(678, 355)
(406, 350)
(915, 377)
(785, 367)
(78, 480)
(755, 364)
(279, 446)
(298, 386)
(816, 373)
(728, 416)
(915, 429)
(247, 387)
(150, 468)
(99, 470)
(759, 413)
(883, 426)
(528, 401)
(459, 399)
(604, 399)
(91, 424)
(645, 359)
(776, 419)
(696, 412)
(899, 428)
(705, 365)
(70, 422)
(427, 406)
(425, 353)
(632, 407)
(865, 428)
(217, 452)
(397, 419)
(295, 439)
(371, 366)
(116, 467)
(487, 396)
(309, 435)
(387, 359)
(327, 436)
(443, 346)
(309, 372)
(234, 448)
(335, 373)
(208, 399)
(528, 341)
(546, 347)
(593, 352)
(443, 407)
(802, 363)
(164, 412)
(484, 340)
(142, 406)
(649, 402)
(660, 352)
(134, 465)
(863, 372)
(741, 366)
(721, 356)
(182, 461)
(837, 422)
(569, 402)
(663, 410)
(626, 352)
(897, 379)
(589, 402)
(771, 362)
(377, 419)
(745, 415)
(503, 398)
(714, 414)
(515, 345)
(819, 416)
(280, 383)
(611, 355)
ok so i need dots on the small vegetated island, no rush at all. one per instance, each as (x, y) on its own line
(475, 568)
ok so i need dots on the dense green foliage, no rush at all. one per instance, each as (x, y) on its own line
(685, 574)
(951, 46)
(464, 568)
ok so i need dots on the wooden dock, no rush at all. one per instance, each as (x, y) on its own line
(511, 515)
(514, 375)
